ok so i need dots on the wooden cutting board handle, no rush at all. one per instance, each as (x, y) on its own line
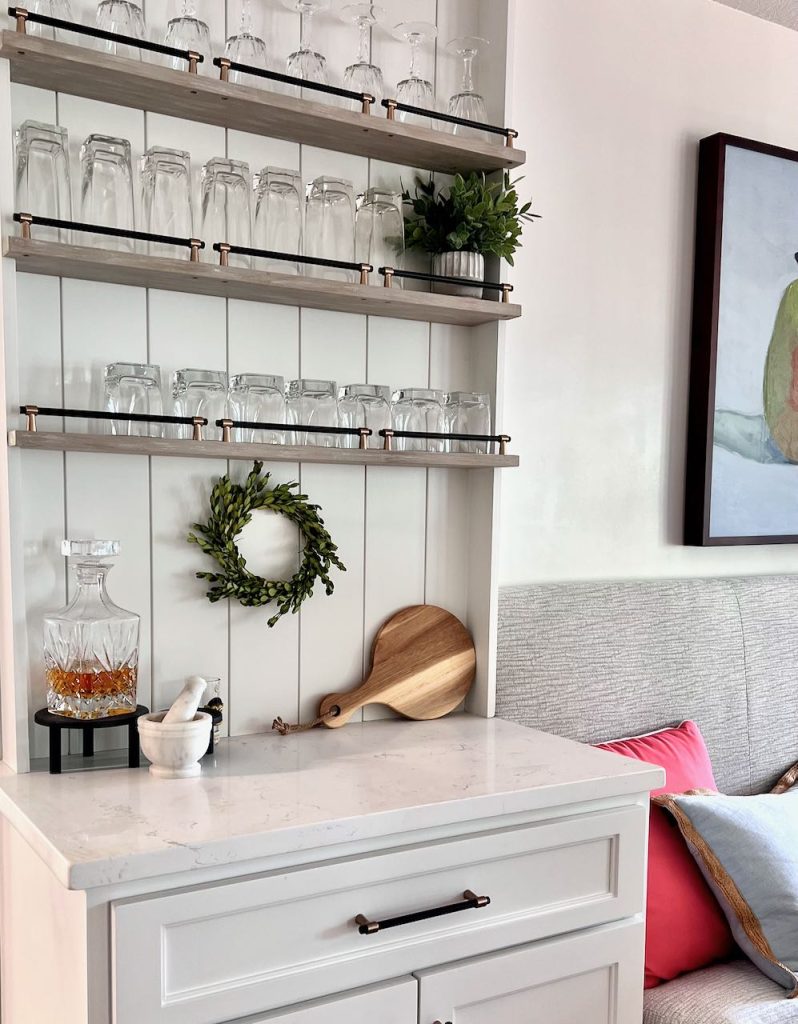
(423, 664)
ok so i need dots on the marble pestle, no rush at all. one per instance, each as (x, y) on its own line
(184, 709)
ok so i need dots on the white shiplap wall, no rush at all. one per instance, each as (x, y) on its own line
(406, 536)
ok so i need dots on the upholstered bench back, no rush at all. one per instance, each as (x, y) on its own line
(597, 661)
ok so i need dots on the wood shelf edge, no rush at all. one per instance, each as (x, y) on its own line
(156, 447)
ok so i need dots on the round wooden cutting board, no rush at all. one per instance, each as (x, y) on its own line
(423, 664)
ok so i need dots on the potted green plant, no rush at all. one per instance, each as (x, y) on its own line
(461, 224)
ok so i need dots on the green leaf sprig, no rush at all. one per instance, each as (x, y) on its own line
(232, 506)
(471, 215)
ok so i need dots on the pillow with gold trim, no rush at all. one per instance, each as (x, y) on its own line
(747, 849)
(788, 781)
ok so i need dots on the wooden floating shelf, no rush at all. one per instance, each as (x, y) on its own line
(80, 71)
(57, 259)
(158, 446)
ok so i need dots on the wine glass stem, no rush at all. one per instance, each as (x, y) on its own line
(415, 42)
(306, 31)
(246, 17)
(468, 72)
(365, 32)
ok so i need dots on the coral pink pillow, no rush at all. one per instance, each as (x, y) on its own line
(686, 928)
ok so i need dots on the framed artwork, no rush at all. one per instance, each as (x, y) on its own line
(742, 458)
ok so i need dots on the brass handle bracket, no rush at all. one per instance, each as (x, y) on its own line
(21, 16)
(197, 423)
(31, 412)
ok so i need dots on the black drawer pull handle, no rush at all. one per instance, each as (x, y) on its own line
(470, 902)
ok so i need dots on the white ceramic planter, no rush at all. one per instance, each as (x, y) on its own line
(174, 750)
(459, 264)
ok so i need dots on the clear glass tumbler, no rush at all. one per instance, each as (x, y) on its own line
(419, 409)
(330, 226)
(125, 18)
(467, 413)
(91, 647)
(364, 405)
(257, 398)
(106, 194)
(43, 185)
(166, 198)
(312, 403)
(380, 232)
(199, 393)
(133, 388)
(189, 32)
(279, 208)
(226, 208)
(61, 9)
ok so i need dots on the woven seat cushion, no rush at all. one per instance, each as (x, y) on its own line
(734, 993)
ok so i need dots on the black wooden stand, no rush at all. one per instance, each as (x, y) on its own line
(56, 723)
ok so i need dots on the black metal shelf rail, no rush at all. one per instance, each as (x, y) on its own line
(22, 16)
(392, 106)
(502, 440)
(228, 426)
(32, 413)
(29, 220)
(389, 273)
(225, 250)
(225, 65)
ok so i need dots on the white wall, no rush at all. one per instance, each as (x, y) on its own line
(611, 98)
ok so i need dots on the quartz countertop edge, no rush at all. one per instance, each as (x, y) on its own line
(266, 796)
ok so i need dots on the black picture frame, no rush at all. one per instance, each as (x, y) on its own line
(704, 358)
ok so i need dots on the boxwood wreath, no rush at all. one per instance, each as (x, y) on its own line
(232, 506)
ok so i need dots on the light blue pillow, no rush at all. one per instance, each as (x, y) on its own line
(747, 849)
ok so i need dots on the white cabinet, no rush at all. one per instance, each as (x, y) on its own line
(393, 1003)
(594, 976)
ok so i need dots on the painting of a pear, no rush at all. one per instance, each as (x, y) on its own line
(742, 460)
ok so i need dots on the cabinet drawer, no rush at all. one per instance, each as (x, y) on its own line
(225, 951)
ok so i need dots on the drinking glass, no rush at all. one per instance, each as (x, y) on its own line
(226, 207)
(467, 413)
(415, 90)
(166, 197)
(188, 32)
(199, 393)
(363, 76)
(279, 205)
(422, 410)
(380, 232)
(467, 102)
(42, 176)
(246, 48)
(124, 17)
(364, 405)
(312, 403)
(53, 9)
(330, 226)
(106, 194)
(306, 62)
(133, 388)
(257, 398)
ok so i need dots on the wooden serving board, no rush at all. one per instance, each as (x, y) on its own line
(423, 664)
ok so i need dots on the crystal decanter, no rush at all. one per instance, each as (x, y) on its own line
(91, 647)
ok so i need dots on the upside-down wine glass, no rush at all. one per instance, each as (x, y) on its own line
(246, 48)
(189, 32)
(415, 90)
(125, 18)
(306, 62)
(468, 103)
(363, 76)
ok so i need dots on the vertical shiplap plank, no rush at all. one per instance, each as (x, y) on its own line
(331, 629)
(190, 634)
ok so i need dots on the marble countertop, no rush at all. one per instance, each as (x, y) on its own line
(262, 796)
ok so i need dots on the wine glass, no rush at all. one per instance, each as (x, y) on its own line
(363, 76)
(415, 90)
(246, 48)
(306, 62)
(468, 103)
(125, 18)
(189, 32)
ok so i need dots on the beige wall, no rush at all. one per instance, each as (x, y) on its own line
(611, 97)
